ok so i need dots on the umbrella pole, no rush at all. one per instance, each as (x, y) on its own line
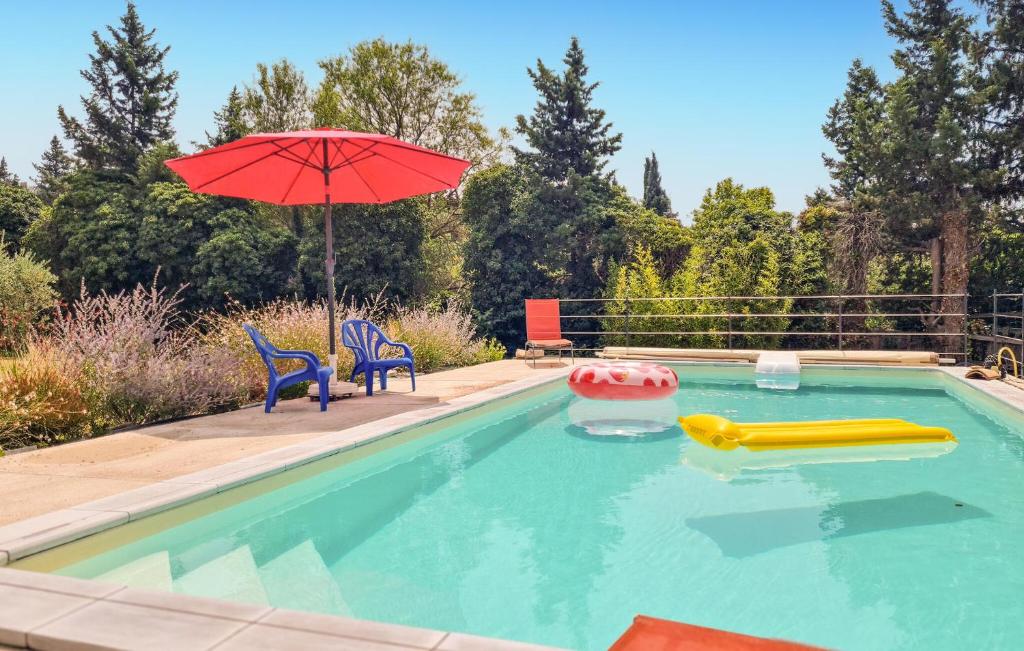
(329, 234)
(329, 264)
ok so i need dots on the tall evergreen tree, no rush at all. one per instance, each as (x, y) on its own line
(6, 175)
(852, 127)
(52, 171)
(131, 102)
(570, 142)
(655, 197)
(1002, 83)
(230, 121)
(931, 166)
(566, 133)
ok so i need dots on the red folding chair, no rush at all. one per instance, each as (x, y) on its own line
(544, 328)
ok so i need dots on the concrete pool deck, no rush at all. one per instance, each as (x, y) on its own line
(41, 481)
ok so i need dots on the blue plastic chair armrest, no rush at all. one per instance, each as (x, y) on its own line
(384, 341)
(311, 359)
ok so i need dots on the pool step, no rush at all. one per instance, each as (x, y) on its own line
(777, 369)
(317, 591)
(151, 571)
(233, 577)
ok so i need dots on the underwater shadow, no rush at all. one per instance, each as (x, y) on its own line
(739, 535)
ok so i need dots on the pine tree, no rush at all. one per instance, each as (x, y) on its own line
(1002, 82)
(6, 175)
(132, 101)
(655, 196)
(52, 171)
(931, 169)
(852, 127)
(230, 121)
(566, 133)
(856, 230)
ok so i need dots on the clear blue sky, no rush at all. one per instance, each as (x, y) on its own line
(716, 88)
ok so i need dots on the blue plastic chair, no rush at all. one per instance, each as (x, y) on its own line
(313, 372)
(365, 340)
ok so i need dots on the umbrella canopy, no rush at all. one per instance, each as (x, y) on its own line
(320, 166)
(298, 167)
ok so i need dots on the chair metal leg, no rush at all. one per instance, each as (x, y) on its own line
(412, 376)
(383, 379)
(368, 374)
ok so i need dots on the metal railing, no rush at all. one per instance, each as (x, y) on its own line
(1005, 325)
(835, 311)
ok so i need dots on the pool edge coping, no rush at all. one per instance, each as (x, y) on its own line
(52, 611)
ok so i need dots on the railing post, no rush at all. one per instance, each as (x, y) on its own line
(1021, 322)
(840, 324)
(729, 325)
(995, 317)
(967, 343)
(628, 314)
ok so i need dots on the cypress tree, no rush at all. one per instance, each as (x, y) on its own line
(655, 196)
(52, 171)
(567, 134)
(6, 175)
(132, 101)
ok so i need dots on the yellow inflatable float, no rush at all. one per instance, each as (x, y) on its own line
(723, 434)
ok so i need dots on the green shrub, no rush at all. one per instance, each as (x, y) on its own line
(19, 207)
(26, 293)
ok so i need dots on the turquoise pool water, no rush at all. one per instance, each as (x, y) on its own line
(516, 523)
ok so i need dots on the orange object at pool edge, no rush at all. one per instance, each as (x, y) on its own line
(652, 634)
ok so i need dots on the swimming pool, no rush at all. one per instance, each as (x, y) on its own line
(510, 521)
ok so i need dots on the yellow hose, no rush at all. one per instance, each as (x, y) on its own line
(999, 360)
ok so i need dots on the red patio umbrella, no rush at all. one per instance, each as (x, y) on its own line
(320, 166)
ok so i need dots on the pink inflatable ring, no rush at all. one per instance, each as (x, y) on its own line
(623, 381)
